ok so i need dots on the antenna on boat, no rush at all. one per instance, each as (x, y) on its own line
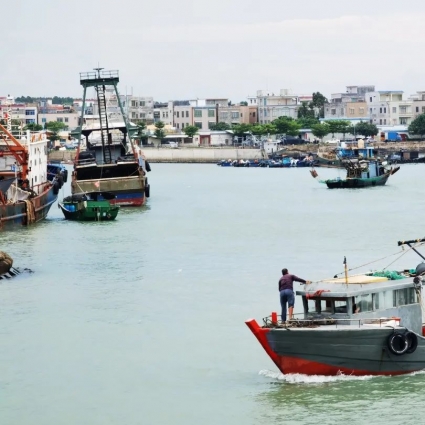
(345, 270)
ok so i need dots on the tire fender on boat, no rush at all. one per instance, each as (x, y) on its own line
(412, 340)
(398, 343)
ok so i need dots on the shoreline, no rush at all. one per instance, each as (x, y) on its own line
(212, 155)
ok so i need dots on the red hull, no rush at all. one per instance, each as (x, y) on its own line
(298, 365)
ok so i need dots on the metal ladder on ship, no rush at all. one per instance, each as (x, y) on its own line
(103, 122)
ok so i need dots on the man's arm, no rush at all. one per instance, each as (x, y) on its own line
(298, 279)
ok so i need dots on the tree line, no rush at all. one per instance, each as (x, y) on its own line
(56, 100)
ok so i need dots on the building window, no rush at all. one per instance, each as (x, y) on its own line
(142, 103)
(59, 119)
(380, 121)
(177, 114)
(187, 114)
(29, 112)
(198, 113)
(361, 110)
(133, 115)
(211, 113)
(253, 114)
(370, 110)
(380, 110)
(182, 125)
(43, 120)
(351, 111)
(423, 109)
(385, 110)
(403, 121)
(394, 110)
(198, 124)
(29, 121)
(211, 124)
(177, 125)
(134, 104)
(370, 99)
(142, 115)
(235, 115)
(333, 111)
(385, 122)
(417, 109)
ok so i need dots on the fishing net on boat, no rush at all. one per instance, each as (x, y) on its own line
(389, 274)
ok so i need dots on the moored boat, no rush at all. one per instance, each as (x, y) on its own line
(370, 324)
(26, 194)
(93, 206)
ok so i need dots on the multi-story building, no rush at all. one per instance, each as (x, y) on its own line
(140, 108)
(238, 114)
(352, 94)
(26, 114)
(163, 111)
(183, 113)
(353, 111)
(272, 106)
(59, 113)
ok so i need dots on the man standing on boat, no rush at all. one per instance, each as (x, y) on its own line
(286, 290)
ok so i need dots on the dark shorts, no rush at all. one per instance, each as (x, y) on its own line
(287, 296)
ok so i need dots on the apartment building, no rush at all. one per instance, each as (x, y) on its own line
(347, 111)
(58, 113)
(140, 108)
(352, 94)
(19, 111)
(238, 114)
(272, 106)
(163, 111)
(183, 113)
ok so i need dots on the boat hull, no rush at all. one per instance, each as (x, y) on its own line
(16, 215)
(128, 191)
(358, 352)
(356, 183)
(95, 211)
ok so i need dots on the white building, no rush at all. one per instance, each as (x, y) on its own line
(272, 106)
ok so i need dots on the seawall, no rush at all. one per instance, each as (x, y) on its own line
(213, 155)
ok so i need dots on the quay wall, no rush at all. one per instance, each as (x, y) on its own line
(213, 155)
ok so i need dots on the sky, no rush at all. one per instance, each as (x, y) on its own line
(188, 49)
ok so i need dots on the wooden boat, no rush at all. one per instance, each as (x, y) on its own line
(360, 174)
(94, 206)
(368, 324)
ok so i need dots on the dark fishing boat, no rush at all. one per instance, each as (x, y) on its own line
(360, 174)
(108, 160)
(369, 324)
(26, 194)
(95, 206)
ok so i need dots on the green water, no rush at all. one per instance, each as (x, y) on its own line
(141, 320)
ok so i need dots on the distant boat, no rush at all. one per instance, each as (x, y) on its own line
(89, 207)
(360, 174)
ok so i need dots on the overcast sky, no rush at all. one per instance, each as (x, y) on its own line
(184, 49)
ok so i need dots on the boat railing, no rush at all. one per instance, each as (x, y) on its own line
(95, 75)
(273, 322)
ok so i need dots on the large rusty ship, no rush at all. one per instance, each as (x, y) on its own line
(107, 159)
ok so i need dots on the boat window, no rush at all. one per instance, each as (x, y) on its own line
(383, 300)
(404, 296)
(341, 306)
(363, 303)
(320, 306)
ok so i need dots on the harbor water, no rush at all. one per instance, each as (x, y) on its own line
(141, 320)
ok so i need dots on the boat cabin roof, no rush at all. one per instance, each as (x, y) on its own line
(357, 285)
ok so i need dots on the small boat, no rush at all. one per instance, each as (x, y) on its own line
(94, 206)
(360, 173)
(367, 324)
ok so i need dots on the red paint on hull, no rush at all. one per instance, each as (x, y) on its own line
(129, 202)
(295, 365)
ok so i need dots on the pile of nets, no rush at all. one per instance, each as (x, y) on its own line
(389, 274)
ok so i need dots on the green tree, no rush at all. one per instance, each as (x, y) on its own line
(54, 127)
(307, 122)
(33, 127)
(282, 124)
(319, 102)
(258, 130)
(417, 126)
(240, 130)
(25, 99)
(220, 126)
(159, 130)
(338, 126)
(17, 125)
(306, 111)
(140, 133)
(321, 130)
(366, 129)
(243, 103)
(269, 129)
(190, 130)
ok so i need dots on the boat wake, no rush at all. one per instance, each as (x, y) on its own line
(298, 378)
